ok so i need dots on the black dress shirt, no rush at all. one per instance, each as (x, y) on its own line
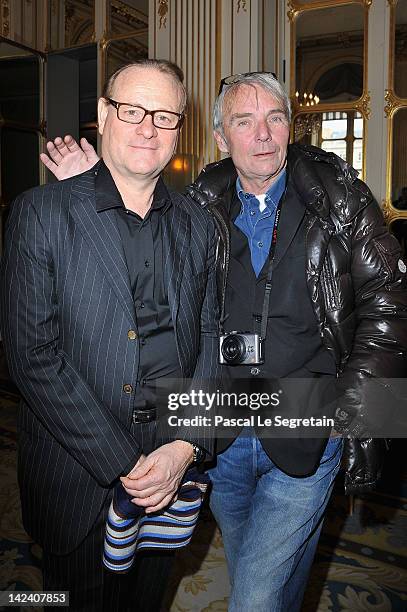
(142, 246)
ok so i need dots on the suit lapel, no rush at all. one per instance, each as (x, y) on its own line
(176, 242)
(241, 269)
(102, 235)
(292, 213)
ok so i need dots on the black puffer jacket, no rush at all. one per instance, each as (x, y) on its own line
(357, 284)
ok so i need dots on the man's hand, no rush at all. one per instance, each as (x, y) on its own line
(66, 158)
(139, 462)
(154, 482)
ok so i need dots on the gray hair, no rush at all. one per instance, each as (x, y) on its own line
(265, 79)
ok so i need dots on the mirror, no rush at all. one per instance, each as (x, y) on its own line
(124, 51)
(400, 50)
(338, 131)
(398, 228)
(128, 16)
(20, 120)
(399, 159)
(20, 167)
(20, 89)
(329, 53)
(79, 22)
(71, 23)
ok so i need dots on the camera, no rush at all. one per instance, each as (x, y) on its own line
(240, 348)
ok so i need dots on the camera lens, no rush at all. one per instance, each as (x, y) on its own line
(234, 349)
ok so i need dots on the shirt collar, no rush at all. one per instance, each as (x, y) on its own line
(274, 192)
(108, 196)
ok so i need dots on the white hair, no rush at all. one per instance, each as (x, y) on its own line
(265, 79)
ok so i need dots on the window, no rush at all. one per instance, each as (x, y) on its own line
(342, 133)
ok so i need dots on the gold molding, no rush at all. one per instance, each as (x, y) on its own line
(5, 18)
(241, 5)
(390, 213)
(127, 11)
(393, 102)
(292, 10)
(103, 42)
(363, 105)
(162, 12)
(294, 7)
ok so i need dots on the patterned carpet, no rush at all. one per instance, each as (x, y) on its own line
(360, 565)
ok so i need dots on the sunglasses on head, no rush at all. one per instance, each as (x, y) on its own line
(235, 78)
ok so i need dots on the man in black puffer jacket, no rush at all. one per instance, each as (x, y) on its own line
(337, 310)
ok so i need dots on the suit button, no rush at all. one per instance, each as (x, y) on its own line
(127, 388)
(131, 334)
(255, 371)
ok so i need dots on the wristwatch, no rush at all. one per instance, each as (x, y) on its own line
(199, 453)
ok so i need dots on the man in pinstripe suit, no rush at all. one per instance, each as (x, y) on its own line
(107, 285)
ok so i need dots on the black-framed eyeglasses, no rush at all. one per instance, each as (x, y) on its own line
(235, 78)
(131, 113)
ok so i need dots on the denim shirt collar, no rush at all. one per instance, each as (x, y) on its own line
(273, 194)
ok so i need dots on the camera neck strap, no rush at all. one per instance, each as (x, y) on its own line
(268, 287)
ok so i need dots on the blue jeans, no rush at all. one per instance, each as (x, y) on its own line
(270, 523)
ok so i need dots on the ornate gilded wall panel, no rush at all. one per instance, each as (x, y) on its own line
(329, 68)
(24, 21)
(395, 109)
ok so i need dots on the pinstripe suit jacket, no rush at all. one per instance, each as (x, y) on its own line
(67, 307)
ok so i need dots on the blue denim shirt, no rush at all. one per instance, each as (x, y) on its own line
(256, 225)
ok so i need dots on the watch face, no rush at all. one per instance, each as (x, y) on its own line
(199, 454)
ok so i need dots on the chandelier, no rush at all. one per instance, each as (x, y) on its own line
(307, 99)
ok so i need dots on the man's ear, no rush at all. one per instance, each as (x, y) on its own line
(103, 108)
(221, 142)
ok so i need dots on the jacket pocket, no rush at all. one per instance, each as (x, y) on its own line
(388, 250)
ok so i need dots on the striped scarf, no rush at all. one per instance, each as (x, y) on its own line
(129, 529)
